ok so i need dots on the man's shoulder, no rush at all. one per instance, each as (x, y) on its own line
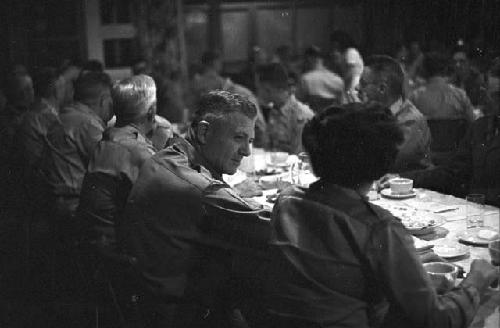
(79, 116)
(303, 111)
(410, 112)
(133, 151)
(324, 74)
(174, 163)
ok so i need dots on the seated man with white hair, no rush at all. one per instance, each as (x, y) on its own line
(188, 230)
(115, 163)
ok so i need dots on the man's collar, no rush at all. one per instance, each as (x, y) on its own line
(196, 161)
(81, 107)
(396, 106)
(129, 130)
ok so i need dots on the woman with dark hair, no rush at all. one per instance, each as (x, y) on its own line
(340, 261)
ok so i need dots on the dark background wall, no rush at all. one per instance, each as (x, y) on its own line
(36, 32)
(390, 21)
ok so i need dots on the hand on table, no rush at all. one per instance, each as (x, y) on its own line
(383, 182)
(482, 274)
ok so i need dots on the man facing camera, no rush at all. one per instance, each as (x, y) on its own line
(186, 226)
(383, 81)
(115, 163)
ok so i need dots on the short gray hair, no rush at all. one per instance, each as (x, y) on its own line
(132, 97)
(218, 104)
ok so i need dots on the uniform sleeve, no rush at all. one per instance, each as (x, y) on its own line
(232, 221)
(87, 138)
(408, 289)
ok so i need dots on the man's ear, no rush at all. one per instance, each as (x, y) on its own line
(151, 113)
(202, 130)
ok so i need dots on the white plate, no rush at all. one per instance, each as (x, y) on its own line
(438, 221)
(470, 236)
(388, 193)
(451, 251)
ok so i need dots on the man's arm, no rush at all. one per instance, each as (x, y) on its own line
(407, 286)
(233, 221)
(87, 138)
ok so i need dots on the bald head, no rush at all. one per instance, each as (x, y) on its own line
(134, 98)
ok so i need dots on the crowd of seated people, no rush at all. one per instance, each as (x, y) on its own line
(92, 158)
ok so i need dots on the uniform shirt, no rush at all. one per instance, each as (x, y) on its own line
(185, 227)
(321, 83)
(414, 152)
(438, 99)
(285, 126)
(70, 145)
(33, 131)
(322, 278)
(112, 170)
(473, 169)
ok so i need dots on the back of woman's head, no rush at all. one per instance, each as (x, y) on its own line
(352, 145)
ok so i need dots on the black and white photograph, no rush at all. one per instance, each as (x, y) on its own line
(249, 164)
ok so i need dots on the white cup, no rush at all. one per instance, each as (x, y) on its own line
(401, 186)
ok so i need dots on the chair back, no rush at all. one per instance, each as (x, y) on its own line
(317, 103)
(446, 136)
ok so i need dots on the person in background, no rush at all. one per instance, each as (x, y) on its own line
(185, 225)
(210, 80)
(141, 67)
(248, 76)
(49, 89)
(492, 102)
(318, 86)
(69, 71)
(467, 77)
(331, 230)
(349, 60)
(414, 67)
(283, 56)
(287, 115)
(438, 99)
(474, 168)
(92, 65)
(19, 94)
(401, 55)
(383, 81)
(72, 141)
(115, 163)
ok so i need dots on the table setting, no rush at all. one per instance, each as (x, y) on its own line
(453, 230)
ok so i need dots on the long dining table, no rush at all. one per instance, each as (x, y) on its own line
(452, 213)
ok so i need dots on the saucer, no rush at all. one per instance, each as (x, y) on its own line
(470, 236)
(388, 193)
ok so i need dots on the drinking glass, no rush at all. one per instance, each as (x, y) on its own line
(475, 209)
(299, 167)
